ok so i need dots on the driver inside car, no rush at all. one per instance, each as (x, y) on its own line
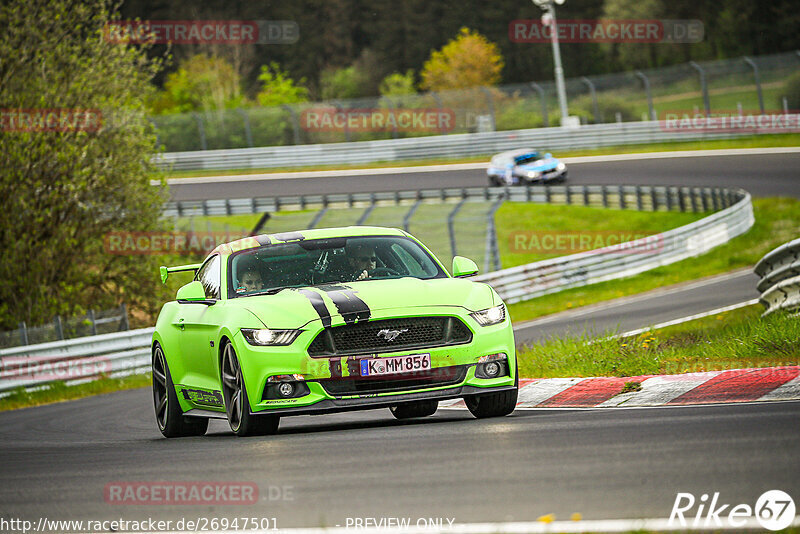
(362, 259)
(250, 280)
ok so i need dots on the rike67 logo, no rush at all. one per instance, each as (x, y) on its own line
(774, 510)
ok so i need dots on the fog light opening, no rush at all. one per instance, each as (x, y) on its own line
(286, 389)
(492, 369)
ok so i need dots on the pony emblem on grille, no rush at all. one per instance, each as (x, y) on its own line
(390, 335)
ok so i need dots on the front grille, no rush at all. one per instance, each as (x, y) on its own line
(441, 376)
(411, 333)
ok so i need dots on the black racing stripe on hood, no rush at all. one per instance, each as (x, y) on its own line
(319, 306)
(349, 305)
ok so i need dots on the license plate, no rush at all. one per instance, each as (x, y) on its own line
(395, 365)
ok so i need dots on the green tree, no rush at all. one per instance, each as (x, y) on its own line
(64, 189)
(202, 83)
(469, 60)
(346, 82)
(397, 84)
(278, 88)
(633, 55)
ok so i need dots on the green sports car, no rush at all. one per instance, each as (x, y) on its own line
(323, 321)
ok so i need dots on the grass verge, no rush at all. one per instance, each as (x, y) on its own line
(751, 141)
(777, 221)
(59, 391)
(731, 340)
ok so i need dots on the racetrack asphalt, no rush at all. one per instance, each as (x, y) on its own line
(643, 310)
(763, 175)
(602, 464)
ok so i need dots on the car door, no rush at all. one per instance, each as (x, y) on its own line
(199, 325)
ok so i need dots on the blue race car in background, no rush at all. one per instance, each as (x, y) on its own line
(525, 166)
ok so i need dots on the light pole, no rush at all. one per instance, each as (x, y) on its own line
(549, 18)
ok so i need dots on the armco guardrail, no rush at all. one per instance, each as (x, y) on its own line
(442, 146)
(129, 352)
(626, 259)
(780, 278)
(85, 358)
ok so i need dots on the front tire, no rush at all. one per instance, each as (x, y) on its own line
(169, 416)
(492, 404)
(414, 409)
(237, 407)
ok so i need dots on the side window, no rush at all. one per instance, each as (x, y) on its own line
(208, 275)
(411, 264)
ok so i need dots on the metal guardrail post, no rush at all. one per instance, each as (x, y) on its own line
(367, 211)
(59, 327)
(392, 106)
(638, 198)
(491, 257)
(340, 109)
(90, 316)
(201, 131)
(646, 82)
(440, 106)
(605, 196)
(451, 223)
(123, 324)
(410, 213)
(490, 105)
(758, 82)
(317, 217)
(295, 122)
(248, 134)
(539, 90)
(622, 203)
(23, 332)
(597, 118)
(703, 86)
(585, 195)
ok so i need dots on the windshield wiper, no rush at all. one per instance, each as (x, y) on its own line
(270, 291)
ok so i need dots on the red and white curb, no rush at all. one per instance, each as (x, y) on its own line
(712, 387)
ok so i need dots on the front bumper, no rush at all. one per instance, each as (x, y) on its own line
(334, 384)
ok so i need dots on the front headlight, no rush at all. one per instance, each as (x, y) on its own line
(490, 316)
(534, 174)
(266, 337)
(560, 166)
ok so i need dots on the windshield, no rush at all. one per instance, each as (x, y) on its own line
(328, 261)
(527, 158)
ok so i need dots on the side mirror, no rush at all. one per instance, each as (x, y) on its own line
(463, 267)
(193, 292)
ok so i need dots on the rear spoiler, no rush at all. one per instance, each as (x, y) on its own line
(177, 269)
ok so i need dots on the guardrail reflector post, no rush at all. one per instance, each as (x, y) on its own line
(90, 316)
